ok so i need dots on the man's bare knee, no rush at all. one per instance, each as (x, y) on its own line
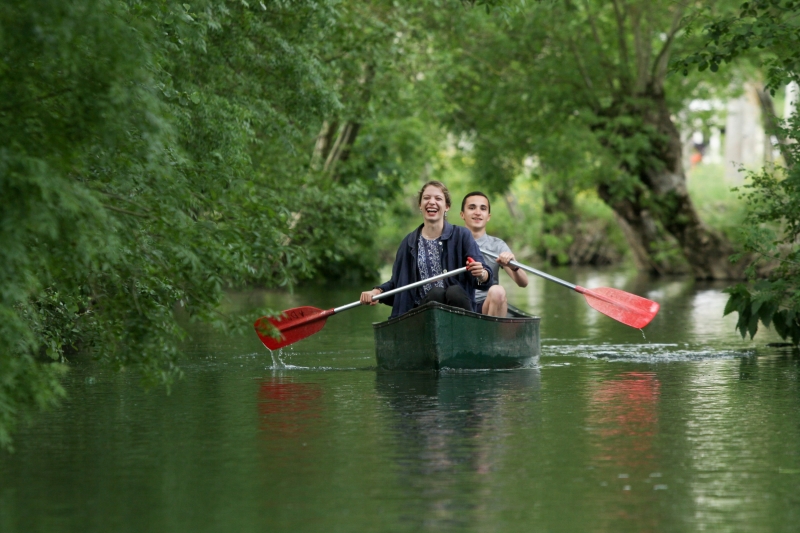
(496, 294)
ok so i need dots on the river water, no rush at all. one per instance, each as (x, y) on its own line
(682, 427)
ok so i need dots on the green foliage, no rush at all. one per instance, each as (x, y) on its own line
(761, 302)
(770, 234)
(767, 30)
(583, 88)
(381, 61)
(153, 154)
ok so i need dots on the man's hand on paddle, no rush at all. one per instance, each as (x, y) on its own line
(519, 276)
(366, 297)
(504, 258)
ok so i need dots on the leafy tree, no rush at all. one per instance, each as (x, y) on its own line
(595, 72)
(768, 32)
(385, 132)
(153, 154)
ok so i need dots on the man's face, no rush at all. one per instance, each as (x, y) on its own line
(476, 213)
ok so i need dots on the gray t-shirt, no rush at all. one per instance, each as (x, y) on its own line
(490, 244)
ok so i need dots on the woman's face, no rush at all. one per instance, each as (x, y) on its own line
(433, 204)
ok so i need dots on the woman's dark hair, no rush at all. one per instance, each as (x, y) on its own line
(476, 193)
(437, 184)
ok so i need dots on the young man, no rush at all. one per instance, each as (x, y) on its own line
(476, 212)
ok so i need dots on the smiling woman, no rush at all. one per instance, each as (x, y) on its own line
(435, 247)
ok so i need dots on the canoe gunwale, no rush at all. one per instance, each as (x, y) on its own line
(457, 311)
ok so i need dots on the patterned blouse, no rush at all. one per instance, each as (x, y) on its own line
(429, 262)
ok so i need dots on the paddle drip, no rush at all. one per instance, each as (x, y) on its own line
(279, 364)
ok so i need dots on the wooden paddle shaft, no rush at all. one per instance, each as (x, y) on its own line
(532, 270)
(386, 294)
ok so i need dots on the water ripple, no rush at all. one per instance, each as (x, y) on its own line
(644, 352)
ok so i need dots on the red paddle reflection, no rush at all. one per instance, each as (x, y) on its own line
(624, 415)
(287, 408)
(627, 408)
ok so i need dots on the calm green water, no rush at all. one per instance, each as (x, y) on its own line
(688, 429)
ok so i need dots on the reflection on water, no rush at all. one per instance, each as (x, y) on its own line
(706, 303)
(623, 416)
(288, 408)
(444, 431)
(689, 429)
(624, 410)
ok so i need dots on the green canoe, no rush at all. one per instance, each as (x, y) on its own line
(436, 336)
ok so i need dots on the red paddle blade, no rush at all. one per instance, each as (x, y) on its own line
(622, 306)
(293, 324)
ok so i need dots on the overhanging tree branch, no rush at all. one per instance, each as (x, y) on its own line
(587, 79)
(37, 100)
(643, 50)
(604, 60)
(659, 71)
(124, 211)
(624, 68)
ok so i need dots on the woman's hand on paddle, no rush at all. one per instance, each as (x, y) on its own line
(477, 270)
(366, 297)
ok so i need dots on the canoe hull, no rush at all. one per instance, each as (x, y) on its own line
(436, 336)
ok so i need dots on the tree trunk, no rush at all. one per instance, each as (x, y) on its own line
(662, 200)
(513, 206)
(322, 148)
(341, 148)
(771, 126)
(568, 238)
(558, 221)
(646, 237)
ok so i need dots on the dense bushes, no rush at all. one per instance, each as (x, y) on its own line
(151, 155)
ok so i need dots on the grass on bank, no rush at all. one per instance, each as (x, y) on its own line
(717, 204)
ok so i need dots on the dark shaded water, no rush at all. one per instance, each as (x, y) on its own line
(688, 429)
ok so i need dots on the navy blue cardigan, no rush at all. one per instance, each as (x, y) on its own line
(457, 244)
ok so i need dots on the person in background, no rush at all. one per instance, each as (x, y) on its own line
(435, 247)
(476, 212)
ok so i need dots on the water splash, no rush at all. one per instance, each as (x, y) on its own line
(277, 362)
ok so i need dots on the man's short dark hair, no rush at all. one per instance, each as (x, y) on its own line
(476, 193)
